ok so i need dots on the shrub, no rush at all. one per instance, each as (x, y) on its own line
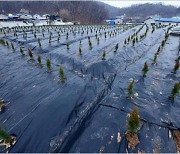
(30, 53)
(39, 60)
(48, 64)
(176, 66)
(145, 69)
(130, 88)
(21, 51)
(133, 121)
(175, 90)
(61, 73)
(104, 55)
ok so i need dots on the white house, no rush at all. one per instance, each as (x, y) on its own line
(3, 17)
(150, 21)
(37, 16)
(25, 17)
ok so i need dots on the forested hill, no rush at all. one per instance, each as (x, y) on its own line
(87, 11)
(83, 11)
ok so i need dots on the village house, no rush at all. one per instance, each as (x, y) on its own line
(3, 17)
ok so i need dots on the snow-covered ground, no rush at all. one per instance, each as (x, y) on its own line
(21, 23)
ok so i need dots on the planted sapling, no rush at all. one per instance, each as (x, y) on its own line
(21, 51)
(30, 54)
(145, 69)
(2, 105)
(48, 65)
(104, 55)
(39, 60)
(116, 47)
(39, 42)
(61, 74)
(67, 45)
(134, 41)
(80, 51)
(133, 124)
(12, 46)
(130, 89)
(175, 91)
(155, 58)
(8, 140)
(176, 66)
(133, 121)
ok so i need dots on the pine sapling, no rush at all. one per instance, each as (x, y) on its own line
(130, 88)
(145, 69)
(176, 66)
(30, 54)
(48, 64)
(39, 60)
(67, 45)
(175, 91)
(39, 42)
(116, 47)
(80, 51)
(133, 122)
(155, 58)
(61, 74)
(125, 42)
(21, 51)
(104, 55)
(134, 41)
(4, 136)
(12, 46)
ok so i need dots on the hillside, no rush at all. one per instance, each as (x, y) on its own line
(85, 12)
(88, 11)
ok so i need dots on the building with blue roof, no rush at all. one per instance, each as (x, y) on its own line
(163, 21)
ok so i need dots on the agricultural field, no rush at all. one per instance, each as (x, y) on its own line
(89, 88)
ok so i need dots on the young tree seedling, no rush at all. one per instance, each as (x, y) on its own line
(21, 51)
(80, 51)
(61, 74)
(175, 90)
(30, 54)
(12, 46)
(39, 42)
(145, 69)
(48, 65)
(130, 88)
(116, 47)
(8, 140)
(133, 122)
(67, 45)
(155, 58)
(176, 66)
(39, 60)
(104, 55)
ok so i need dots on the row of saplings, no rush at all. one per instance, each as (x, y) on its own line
(134, 118)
